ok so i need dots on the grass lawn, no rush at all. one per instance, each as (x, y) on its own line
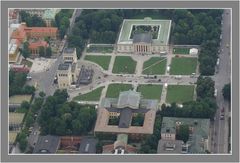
(91, 96)
(114, 89)
(155, 65)
(26, 62)
(179, 93)
(100, 49)
(18, 99)
(150, 91)
(102, 61)
(181, 50)
(183, 66)
(124, 65)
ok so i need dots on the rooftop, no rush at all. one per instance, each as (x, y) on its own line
(163, 34)
(129, 99)
(199, 133)
(69, 50)
(166, 146)
(63, 66)
(47, 144)
(142, 37)
(110, 105)
(88, 145)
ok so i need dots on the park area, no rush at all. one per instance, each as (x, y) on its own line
(155, 66)
(101, 60)
(124, 65)
(181, 50)
(183, 66)
(180, 93)
(100, 49)
(114, 89)
(91, 96)
(150, 91)
(18, 99)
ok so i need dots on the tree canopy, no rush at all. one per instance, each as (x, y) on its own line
(60, 117)
(226, 91)
(183, 133)
(31, 21)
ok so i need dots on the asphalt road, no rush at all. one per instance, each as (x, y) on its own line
(45, 83)
(220, 128)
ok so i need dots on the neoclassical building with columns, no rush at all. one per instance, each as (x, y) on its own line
(144, 36)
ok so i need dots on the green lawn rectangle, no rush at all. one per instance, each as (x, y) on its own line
(150, 91)
(114, 89)
(155, 65)
(102, 61)
(183, 66)
(180, 93)
(91, 96)
(124, 65)
(181, 50)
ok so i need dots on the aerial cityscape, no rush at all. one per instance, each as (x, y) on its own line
(119, 81)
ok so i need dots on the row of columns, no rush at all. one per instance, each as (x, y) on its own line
(141, 48)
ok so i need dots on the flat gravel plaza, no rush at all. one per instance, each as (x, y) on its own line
(124, 65)
(150, 91)
(180, 93)
(183, 66)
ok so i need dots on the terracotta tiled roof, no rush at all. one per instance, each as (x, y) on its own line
(35, 45)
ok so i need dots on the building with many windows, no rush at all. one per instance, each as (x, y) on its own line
(125, 108)
(144, 36)
(68, 71)
(198, 142)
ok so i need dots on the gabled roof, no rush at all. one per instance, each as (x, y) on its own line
(129, 99)
(142, 37)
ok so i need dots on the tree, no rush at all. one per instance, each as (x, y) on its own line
(42, 52)
(42, 94)
(205, 87)
(183, 133)
(226, 92)
(25, 105)
(25, 50)
(22, 140)
(48, 52)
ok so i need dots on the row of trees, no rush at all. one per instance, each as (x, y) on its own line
(226, 91)
(200, 27)
(62, 21)
(31, 21)
(45, 52)
(17, 85)
(204, 107)
(59, 117)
